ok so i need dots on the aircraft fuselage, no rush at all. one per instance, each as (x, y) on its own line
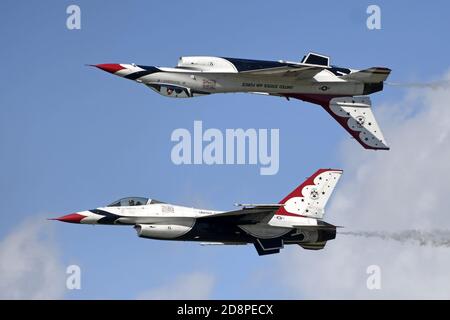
(295, 220)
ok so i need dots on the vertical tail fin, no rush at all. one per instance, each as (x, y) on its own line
(354, 114)
(310, 198)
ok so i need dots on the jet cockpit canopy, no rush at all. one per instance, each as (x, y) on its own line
(133, 201)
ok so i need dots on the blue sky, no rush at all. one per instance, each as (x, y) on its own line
(75, 138)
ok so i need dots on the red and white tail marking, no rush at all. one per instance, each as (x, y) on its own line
(309, 198)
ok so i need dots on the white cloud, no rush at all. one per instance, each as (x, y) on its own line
(407, 187)
(30, 267)
(187, 287)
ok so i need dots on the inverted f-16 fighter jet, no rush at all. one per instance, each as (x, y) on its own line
(297, 219)
(342, 92)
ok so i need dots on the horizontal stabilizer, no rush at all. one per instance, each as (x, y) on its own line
(370, 75)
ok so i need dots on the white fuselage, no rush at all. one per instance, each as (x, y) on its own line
(325, 82)
(149, 213)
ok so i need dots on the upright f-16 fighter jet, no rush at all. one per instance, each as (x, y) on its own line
(297, 219)
(342, 92)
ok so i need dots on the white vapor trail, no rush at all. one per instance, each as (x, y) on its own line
(443, 84)
(433, 238)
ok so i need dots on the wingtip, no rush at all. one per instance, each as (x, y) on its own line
(376, 149)
(369, 147)
(331, 169)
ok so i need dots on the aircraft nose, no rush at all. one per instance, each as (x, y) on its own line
(110, 67)
(71, 218)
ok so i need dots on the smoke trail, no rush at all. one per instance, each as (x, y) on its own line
(426, 85)
(433, 238)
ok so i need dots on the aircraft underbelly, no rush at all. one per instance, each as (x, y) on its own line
(224, 83)
(211, 232)
(276, 85)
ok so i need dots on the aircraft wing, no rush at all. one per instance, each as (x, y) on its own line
(310, 65)
(248, 214)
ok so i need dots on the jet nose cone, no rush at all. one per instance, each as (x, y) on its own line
(71, 218)
(109, 67)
